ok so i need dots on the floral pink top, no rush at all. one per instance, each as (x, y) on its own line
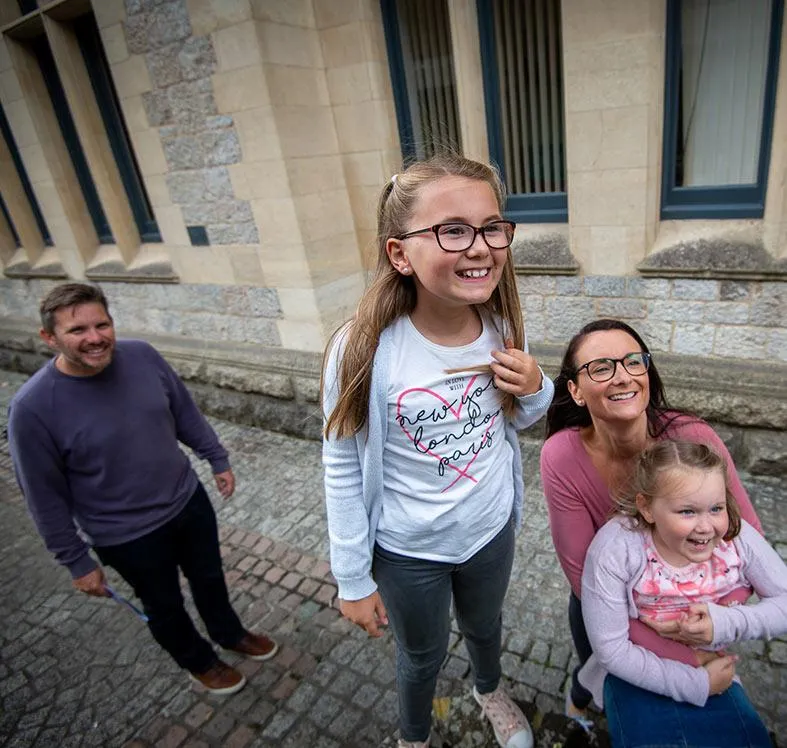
(664, 592)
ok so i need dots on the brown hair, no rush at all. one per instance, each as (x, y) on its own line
(391, 294)
(65, 295)
(668, 455)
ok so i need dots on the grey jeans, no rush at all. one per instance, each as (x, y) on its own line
(417, 596)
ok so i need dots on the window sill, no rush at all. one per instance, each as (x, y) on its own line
(543, 250)
(47, 266)
(719, 250)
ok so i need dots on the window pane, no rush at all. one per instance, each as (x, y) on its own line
(530, 93)
(54, 86)
(425, 35)
(7, 135)
(109, 105)
(724, 61)
(9, 222)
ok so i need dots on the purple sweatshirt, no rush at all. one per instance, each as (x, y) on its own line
(101, 454)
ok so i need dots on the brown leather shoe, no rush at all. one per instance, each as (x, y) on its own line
(220, 679)
(256, 646)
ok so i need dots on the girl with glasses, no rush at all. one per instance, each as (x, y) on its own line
(423, 391)
(676, 549)
(609, 406)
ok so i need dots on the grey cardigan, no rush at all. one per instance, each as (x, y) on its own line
(353, 470)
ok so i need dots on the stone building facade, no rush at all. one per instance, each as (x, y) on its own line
(239, 229)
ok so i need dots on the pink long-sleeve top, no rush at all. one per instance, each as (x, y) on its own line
(615, 561)
(579, 504)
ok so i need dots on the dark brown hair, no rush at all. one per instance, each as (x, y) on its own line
(662, 457)
(65, 295)
(565, 413)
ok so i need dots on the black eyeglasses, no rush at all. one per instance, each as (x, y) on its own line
(603, 369)
(458, 237)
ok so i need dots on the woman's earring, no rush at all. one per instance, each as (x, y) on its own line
(405, 270)
(581, 403)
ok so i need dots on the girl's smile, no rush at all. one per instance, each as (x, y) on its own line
(689, 517)
(449, 283)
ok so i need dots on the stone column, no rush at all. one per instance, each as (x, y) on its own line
(614, 81)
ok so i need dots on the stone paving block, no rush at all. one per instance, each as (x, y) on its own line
(221, 724)
(279, 725)
(308, 587)
(304, 665)
(284, 688)
(239, 738)
(291, 601)
(198, 715)
(260, 711)
(262, 546)
(291, 580)
(321, 570)
(345, 724)
(173, 737)
(325, 710)
(274, 574)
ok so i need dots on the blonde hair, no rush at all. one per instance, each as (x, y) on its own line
(391, 294)
(661, 458)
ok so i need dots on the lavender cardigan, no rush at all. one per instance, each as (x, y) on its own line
(616, 560)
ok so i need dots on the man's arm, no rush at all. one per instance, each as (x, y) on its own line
(191, 427)
(41, 475)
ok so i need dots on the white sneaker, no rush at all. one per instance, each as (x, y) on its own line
(580, 716)
(412, 744)
(511, 727)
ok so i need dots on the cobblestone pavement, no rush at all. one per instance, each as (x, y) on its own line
(80, 671)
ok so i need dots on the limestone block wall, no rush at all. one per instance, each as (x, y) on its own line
(721, 319)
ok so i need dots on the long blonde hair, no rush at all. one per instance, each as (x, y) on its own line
(391, 294)
(660, 459)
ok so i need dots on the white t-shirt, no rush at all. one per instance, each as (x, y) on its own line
(446, 463)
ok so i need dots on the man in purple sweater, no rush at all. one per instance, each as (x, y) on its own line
(94, 439)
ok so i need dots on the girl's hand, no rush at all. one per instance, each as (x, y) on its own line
(694, 628)
(368, 613)
(721, 671)
(705, 656)
(516, 372)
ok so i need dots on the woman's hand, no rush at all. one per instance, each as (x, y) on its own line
(516, 372)
(721, 671)
(694, 628)
(368, 613)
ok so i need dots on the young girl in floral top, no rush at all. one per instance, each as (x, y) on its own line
(677, 549)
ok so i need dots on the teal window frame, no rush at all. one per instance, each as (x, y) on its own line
(542, 207)
(725, 201)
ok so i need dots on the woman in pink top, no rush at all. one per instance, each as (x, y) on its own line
(609, 405)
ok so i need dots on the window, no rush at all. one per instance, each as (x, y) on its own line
(98, 69)
(5, 133)
(9, 222)
(418, 37)
(721, 59)
(43, 54)
(521, 56)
